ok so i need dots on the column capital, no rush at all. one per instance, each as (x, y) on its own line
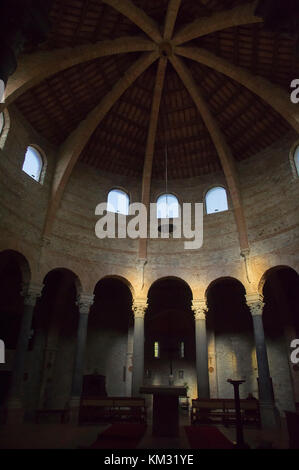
(139, 307)
(84, 302)
(199, 308)
(31, 292)
(255, 303)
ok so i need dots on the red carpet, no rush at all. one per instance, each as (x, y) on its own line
(207, 437)
(120, 436)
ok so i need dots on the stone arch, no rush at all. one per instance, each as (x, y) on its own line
(279, 287)
(174, 278)
(68, 271)
(121, 279)
(220, 279)
(270, 271)
(21, 261)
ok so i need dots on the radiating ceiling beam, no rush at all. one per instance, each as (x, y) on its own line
(240, 15)
(71, 149)
(224, 152)
(33, 68)
(272, 94)
(137, 16)
(150, 144)
(171, 16)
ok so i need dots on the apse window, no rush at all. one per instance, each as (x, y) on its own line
(216, 200)
(33, 164)
(118, 202)
(156, 349)
(167, 207)
(296, 160)
(182, 349)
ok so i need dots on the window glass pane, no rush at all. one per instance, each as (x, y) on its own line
(182, 349)
(156, 349)
(216, 200)
(167, 207)
(1, 122)
(33, 163)
(296, 159)
(118, 201)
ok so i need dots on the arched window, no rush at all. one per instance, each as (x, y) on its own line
(2, 122)
(33, 163)
(296, 159)
(216, 200)
(4, 127)
(118, 202)
(167, 207)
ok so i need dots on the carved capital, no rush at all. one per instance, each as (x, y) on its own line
(84, 302)
(255, 303)
(139, 308)
(199, 308)
(31, 293)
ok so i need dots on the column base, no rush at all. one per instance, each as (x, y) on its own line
(74, 408)
(270, 418)
(14, 412)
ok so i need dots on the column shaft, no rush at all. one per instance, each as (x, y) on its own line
(203, 386)
(78, 371)
(267, 405)
(84, 303)
(14, 404)
(202, 360)
(138, 346)
(20, 353)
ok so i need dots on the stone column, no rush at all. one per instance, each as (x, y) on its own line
(267, 405)
(15, 412)
(212, 357)
(84, 303)
(202, 364)
(139, 309)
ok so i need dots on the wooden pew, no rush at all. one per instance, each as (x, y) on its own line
(207, 410)
(111, 409)
(223, 411)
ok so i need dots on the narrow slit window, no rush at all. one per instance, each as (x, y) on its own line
(2, 122)
(296, 160)
(182, 349)
(156, 349)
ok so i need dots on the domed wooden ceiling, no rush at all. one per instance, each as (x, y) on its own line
(56, 106)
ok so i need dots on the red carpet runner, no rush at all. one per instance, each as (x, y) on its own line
(207, 437)
(120, 436)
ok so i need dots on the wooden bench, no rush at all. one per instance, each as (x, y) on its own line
(63, 414)
(207, 410)
(111, 409)
(223, 411)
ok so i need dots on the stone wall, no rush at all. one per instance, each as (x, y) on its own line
(270, 195)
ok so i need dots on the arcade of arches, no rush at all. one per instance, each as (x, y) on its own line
(57, 336)
(179, 88)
